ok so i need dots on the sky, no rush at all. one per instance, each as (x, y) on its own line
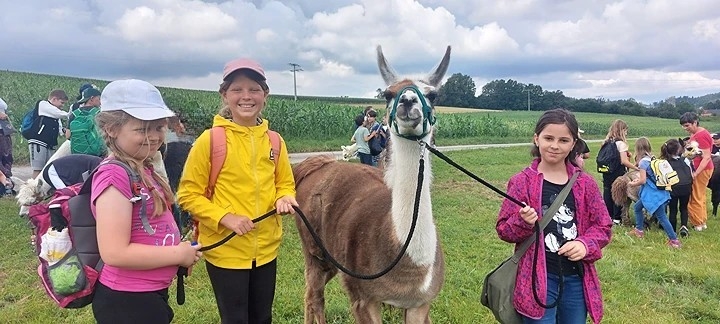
(646, 50)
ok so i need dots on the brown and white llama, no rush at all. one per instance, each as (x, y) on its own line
(364, 219)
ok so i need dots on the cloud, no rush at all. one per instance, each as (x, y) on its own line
(173, 21)
(647, 50)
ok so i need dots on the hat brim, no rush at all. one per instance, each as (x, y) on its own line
(259, 74)
(149, 113)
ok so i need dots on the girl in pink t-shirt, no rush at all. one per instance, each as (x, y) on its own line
(141, 260)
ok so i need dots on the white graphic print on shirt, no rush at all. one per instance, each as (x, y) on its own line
(565, 226)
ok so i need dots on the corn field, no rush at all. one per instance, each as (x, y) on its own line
(321, 123)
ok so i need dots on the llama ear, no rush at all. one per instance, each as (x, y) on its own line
(437, 75)
(387, 73)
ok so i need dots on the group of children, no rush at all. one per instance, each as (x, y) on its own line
(131, 120)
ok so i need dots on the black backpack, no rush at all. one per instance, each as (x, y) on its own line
(685, 180)
(608, 158)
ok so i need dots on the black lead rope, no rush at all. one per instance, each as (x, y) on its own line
(332, 260)
(183, 271)
(471, 175)
(534, 274)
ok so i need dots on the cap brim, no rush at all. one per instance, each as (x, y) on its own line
(145, 113)
(259, 73)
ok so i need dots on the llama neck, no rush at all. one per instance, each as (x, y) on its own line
(401, 175)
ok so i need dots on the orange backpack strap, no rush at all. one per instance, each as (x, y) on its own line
(275, 145)
(218, 151)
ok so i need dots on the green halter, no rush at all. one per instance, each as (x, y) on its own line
(428, 117)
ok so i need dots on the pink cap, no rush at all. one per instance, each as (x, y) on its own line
(243, 63)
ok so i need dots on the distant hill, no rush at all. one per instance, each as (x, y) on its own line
(697, 101)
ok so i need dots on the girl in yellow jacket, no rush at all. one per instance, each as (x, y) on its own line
(243, 270)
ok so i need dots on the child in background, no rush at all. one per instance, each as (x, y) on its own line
(139, 264)
(653, 199)
(680, 194)
(581, 227)
(362, 136)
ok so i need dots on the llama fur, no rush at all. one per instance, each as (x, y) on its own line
(623, 194)
(364, 217)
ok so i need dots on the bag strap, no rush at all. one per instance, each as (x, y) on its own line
(546, 220)
(218, 153)
(134, 188)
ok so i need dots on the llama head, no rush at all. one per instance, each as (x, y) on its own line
(692, 148)
(411, 113)
(30, 192)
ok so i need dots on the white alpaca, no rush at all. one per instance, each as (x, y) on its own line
(349, 152)
(35, 190)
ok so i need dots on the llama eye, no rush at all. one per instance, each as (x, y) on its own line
(389, 95)
(431, 96)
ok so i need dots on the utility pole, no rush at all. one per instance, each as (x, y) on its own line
(295, 68)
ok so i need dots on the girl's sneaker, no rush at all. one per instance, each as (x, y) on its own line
(637, 233)
(674, 244)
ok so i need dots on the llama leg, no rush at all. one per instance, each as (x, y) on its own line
(316, 277)
(418, 315)
(365, 311)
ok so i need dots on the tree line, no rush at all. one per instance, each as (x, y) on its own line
(460, 89)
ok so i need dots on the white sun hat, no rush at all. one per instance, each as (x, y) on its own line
(138, 98)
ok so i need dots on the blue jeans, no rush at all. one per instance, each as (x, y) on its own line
(659, 214)
(365, 158)
(571, 307)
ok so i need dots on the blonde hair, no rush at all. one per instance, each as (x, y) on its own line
(616, 130)
(642, 148)
(112, 121)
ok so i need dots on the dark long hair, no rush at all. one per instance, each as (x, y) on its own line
(562, 117)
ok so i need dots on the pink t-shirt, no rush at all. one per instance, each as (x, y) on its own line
(705, 142)
(166, 234)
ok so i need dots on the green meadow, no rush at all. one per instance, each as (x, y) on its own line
(643, 280)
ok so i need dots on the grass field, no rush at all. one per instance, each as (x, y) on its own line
(643, 280)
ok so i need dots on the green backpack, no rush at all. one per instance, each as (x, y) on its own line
(84, 137)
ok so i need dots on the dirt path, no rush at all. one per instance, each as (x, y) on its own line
(24, 171)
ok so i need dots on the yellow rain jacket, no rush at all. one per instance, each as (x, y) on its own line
(249, 184)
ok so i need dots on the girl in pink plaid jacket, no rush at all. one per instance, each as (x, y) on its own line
(570, 243)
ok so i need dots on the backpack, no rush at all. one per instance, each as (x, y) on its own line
(665, 176)
(375, 143)
(29, 120)
(608, 158)
(84, 137)
(218, 152)
(66, 240)
(685, 180)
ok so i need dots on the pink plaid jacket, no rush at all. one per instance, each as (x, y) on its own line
(594, 231)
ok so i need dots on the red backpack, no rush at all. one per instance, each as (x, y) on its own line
(66, 240)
